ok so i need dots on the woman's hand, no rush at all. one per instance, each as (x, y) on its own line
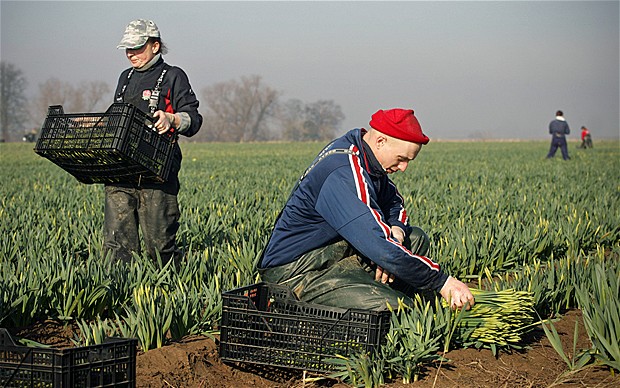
(164, 122)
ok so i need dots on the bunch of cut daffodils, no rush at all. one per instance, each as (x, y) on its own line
(498, 319)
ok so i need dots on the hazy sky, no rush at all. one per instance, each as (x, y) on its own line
(501, 68)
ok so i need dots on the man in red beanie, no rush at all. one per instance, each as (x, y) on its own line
(343, 238)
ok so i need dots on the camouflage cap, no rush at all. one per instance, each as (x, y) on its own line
(137, 33)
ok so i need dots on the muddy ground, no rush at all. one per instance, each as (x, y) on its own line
(194, 362)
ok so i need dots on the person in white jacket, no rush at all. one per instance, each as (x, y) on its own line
(558, 129)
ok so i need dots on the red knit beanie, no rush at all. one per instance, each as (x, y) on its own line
(399, 123)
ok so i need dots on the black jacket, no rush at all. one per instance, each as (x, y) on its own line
(176, 96)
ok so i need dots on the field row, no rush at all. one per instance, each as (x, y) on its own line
(498, 214)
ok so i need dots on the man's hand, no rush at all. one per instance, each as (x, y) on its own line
(398, 234)
(457, 294)
(383, 276)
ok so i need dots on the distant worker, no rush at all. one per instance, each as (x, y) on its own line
(30, 137)
(163, 91)
(586, 138)
(558, 129)
(343, 238)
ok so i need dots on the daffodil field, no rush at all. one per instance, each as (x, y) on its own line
(534, 238)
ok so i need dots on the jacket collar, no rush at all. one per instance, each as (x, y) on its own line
(152, 63)
(373, 167)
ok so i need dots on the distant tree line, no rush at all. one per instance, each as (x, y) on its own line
(238, 110)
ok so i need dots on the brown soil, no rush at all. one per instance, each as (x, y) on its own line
(194, 362)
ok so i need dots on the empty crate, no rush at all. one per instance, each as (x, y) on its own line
(111, 364)
(265, 324)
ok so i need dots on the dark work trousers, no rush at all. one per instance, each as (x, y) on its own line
(586, 142)
(152, 211)
(556, 142)
(337, 276)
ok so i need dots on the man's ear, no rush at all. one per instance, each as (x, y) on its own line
(380, 140)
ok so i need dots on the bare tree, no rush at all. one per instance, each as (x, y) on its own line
(239, 110)
(323, 118)
(291, 116)
(51, 92)
(310, 122)
(13, 102)
(93, 96)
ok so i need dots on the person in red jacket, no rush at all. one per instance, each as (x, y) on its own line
(343, 238)
(586, 138)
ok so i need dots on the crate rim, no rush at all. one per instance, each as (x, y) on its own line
(236, 293)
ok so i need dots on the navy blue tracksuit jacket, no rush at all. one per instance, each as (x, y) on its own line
(348, 195)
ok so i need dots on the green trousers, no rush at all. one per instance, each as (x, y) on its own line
(337, 276)
(129, 211)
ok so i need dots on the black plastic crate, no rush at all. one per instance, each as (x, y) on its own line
(111, 364)
(266, 324)
(111, 147)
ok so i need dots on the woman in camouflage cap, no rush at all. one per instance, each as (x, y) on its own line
(163, 91)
